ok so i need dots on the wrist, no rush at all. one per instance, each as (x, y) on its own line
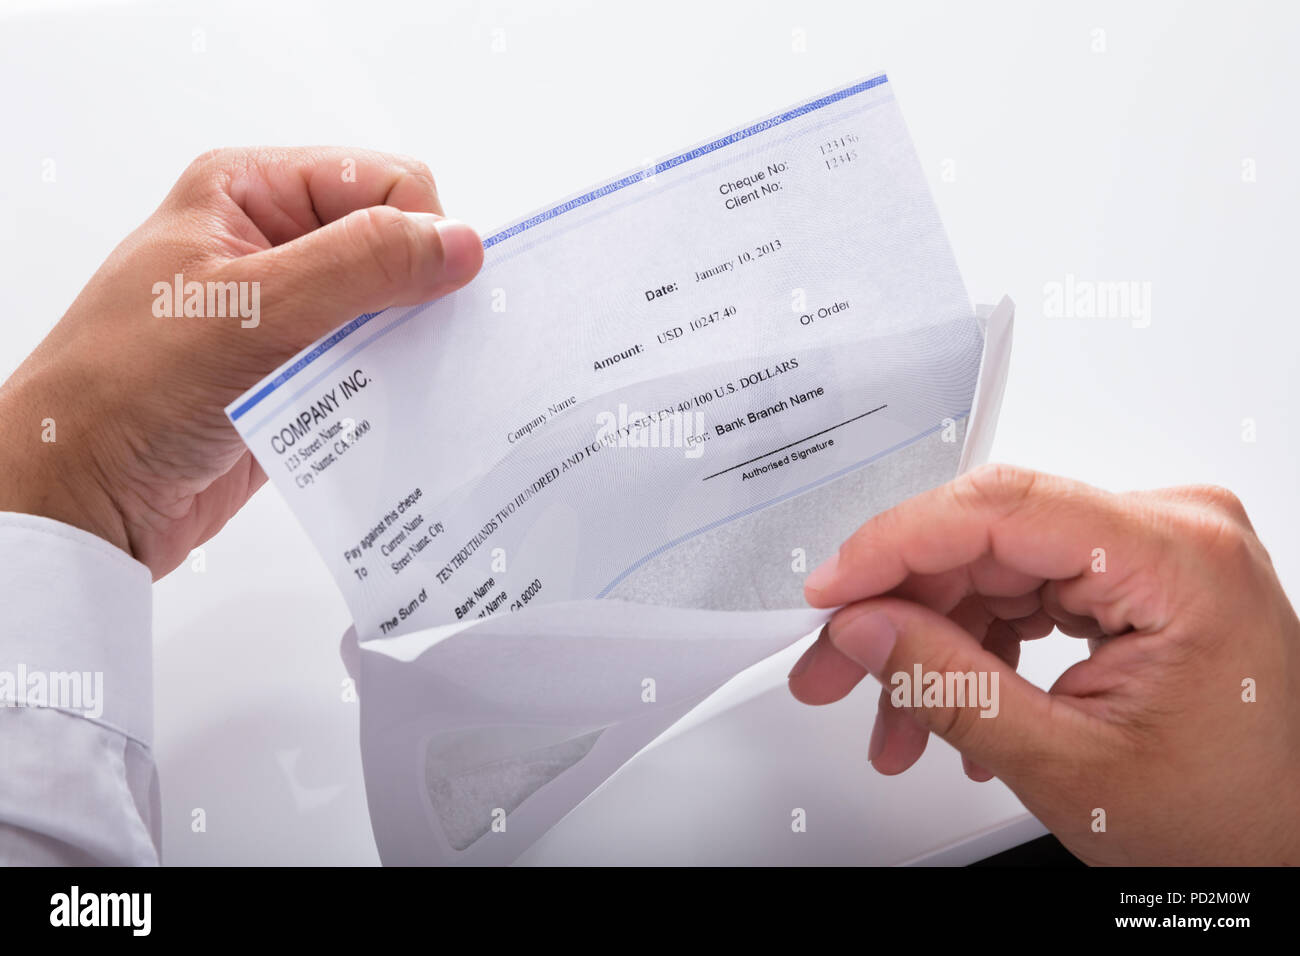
(47, 467)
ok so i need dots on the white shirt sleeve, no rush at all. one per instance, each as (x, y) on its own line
(78, 784)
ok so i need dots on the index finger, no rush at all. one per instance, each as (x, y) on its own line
(1041, 526)
(288, 192)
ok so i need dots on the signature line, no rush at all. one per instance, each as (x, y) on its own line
(793, 443)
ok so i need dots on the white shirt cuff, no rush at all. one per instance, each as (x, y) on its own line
(76, 615)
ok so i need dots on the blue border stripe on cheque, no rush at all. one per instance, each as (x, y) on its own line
(567, 206)
(321, 348)
(667, 164)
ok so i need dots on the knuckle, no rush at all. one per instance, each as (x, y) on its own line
(1221, 499)
(391, 241)
(999, 486)
(951, 722)
(1217, 535)
(199, 165)
(958, 725)
(203, 165)
(420, 170)
(205, 173)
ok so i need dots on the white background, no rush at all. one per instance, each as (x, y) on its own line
(1117, 164)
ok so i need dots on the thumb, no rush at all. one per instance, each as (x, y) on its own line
(365, 261)
(960, 691)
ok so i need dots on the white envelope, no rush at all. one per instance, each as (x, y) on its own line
(479, 737)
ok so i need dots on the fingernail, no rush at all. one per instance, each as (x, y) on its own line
(877, 739)
(822, 575)
(868, 639)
